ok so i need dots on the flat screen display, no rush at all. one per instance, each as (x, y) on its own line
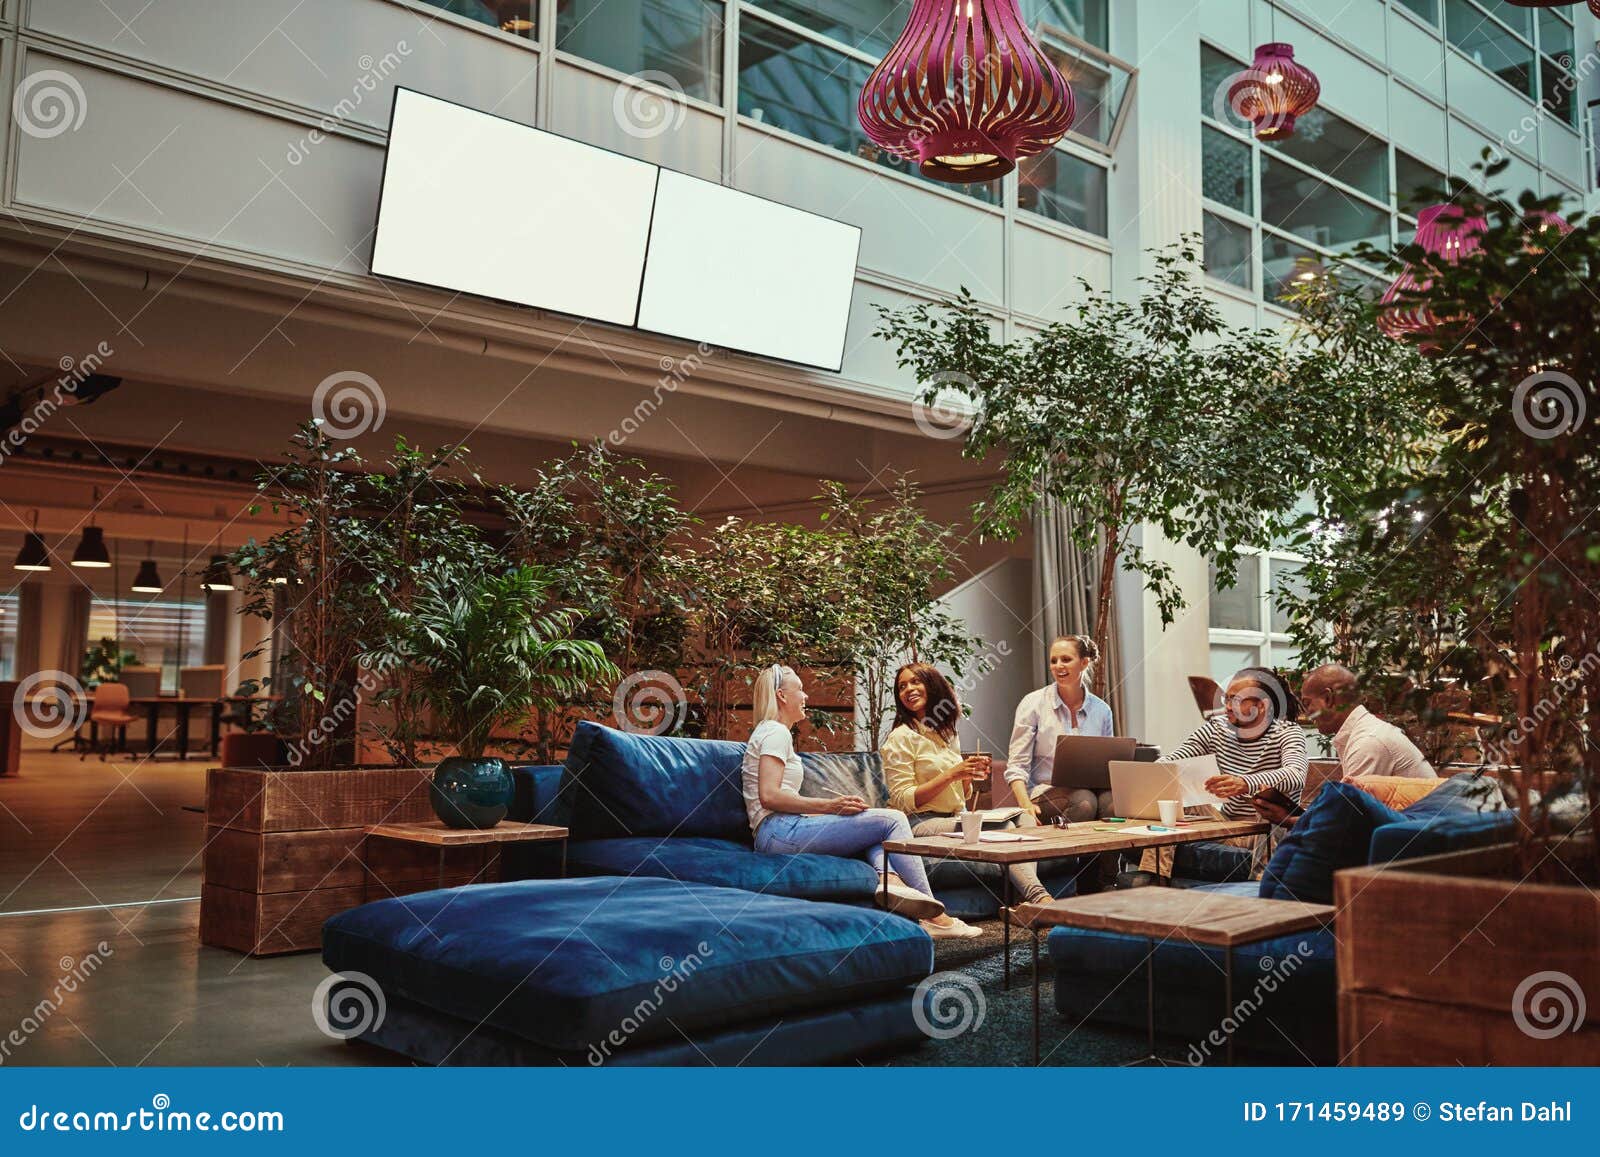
(748, 274)
(479, 204)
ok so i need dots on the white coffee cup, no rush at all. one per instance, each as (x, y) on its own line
(971, 827)
(1171, 811)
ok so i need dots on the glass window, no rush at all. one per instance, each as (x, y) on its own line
(680, 38)
(1238, 608)
(1427, 9)
(809, 89)
(1411, 178)
(1225, 170)
(1283, 263)
(1284, 576)
(1098, 86)
(1519, 18)
(1228, 251)
(1217, 71)
(1334, 146)
(1065, 188)
(1085, 19)
(1226, 658)
(1315, 211)
(514, 16)
(10, 608)
(1489, 44)
(1555, 36)
(162, 632)
(871, 26)
(1557, 85)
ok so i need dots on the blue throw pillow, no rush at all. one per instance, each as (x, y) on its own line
(625, 784)
(1335, 832)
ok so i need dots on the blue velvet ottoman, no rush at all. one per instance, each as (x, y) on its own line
(611, 970)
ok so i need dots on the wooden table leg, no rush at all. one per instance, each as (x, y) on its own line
(1005, 925)
(216, 728)
(183, 730)
(1035, 998)
(1227, 996)
(153, 723)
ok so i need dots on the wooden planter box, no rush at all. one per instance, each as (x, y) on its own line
(284, 851)
(1432, 952)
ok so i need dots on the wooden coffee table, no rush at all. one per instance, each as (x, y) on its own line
(1059, 843)
(434, 833)
(1161, 914)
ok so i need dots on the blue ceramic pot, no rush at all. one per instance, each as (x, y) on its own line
(471, 793)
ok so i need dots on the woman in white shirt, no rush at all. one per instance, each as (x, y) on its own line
(784, 822)
(928, 778)
(1065, 707)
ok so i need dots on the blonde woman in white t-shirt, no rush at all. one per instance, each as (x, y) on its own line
(784, 822)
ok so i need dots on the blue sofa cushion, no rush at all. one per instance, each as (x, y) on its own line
(701, 860)
(565, 963)
(1466, 811)
(1466, 794)
(1335, 832)
(844, 773)
(538, 796)
(652, 785)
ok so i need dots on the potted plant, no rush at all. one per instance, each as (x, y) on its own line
(486, 651)
(103, 663)
(1464, 568)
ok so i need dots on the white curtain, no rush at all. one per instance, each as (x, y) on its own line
(1067, 578)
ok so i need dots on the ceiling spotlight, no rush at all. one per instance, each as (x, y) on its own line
(91, 552)
(148, 580)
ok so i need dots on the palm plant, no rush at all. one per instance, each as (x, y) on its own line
(489, 650)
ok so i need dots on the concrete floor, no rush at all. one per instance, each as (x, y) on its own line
(98, 853)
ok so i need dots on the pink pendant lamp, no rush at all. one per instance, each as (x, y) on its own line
(1444, 230)
(965, 91)
(1274, 91)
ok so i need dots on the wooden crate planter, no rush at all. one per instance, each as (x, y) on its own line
(283, 851)
(1431, 953)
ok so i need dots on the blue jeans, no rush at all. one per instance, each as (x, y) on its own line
(860, 835)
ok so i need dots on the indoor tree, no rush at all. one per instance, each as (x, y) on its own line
(1149, 412)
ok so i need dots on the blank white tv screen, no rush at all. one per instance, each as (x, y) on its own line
(483, 205)
(748, 274)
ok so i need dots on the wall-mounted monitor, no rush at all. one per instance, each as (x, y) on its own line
(483, 205)
(746, 273)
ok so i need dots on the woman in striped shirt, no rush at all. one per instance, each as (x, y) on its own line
(1256, 741)
(1258, 747)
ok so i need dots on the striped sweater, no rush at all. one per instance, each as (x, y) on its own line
(1275, 758)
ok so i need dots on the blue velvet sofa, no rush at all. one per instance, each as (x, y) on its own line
(642, 805)
(1100, 976)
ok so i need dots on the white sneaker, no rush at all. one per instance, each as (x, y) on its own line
(955, 930)
(908, 902)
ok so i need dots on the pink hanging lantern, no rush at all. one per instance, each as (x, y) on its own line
(965, 91)
(1444, 230)
(1274, 91)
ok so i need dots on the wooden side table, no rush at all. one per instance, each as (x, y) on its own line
(434, 833)
(1159, 914)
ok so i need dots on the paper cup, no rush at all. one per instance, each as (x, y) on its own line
(971, 827)
(1171, 811)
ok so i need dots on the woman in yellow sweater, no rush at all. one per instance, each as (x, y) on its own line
(922, 764)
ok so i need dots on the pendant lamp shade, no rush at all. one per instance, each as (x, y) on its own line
(148, 580)
(1443, 230)
(965, 91)
(91, 552)
(217, 576)
(33, 556)
(1274, 91)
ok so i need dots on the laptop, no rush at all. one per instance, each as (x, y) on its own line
(1082, 761)
(1137, 787)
